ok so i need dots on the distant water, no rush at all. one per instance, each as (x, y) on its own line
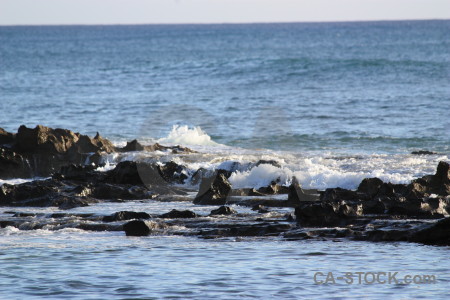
(332, 103)
(365, 87)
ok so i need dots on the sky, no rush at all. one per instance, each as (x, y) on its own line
(54, 12)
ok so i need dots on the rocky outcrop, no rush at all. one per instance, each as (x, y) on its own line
(376, 200)
(42, 151)
(213, 190)
(134, 145)
(297, 195)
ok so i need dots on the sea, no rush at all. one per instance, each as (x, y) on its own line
(331, 103)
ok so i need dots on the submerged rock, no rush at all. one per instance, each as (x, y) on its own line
(176, 214)
(223, 210)
(435, 234)
(126, 215)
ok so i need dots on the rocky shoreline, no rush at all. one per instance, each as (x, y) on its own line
(376, 211)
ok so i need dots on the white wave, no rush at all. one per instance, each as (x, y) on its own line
(321, 173)
(260, 176)
(183, 135)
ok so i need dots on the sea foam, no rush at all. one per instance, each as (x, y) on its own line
(184, 135)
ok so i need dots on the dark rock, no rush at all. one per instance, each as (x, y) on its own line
(126, 172)
(136, 228)
(373, 207)
(226, 173)
(272, 189)
(134, 145)
(387, 190)
(337, 194)
(297, 195)
(245, 192)
(327, 214)
(415, 191)
(46, 150)
(6, 137)
(76, 172)
(268, 162)
(46, 140)
(391, 235)
(126, 215)
(198, 175)
(370, 186)
(173, 172)
(435, 234)
(423, 152)
(223, 210)
(107, 191)
(177, 214)
(13, 165)
(136, 173)
(213, 190)
(320, 214)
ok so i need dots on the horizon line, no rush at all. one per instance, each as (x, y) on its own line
(224, 23)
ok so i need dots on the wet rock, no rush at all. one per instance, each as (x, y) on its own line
(78, 172)
(373, 207)
(213, 190)
(223, 210)
(273, 189)
(198, 175)
(46, 150)
(297, 195)
(260, 208)
(126, 172)
(370, 186)
(434, 234)
(13, 165)
(134, 145)
(173, 172)
(178, 214)
(106, 191)
(337, 194)
(235, 230)
(391, 235)
(139, 173)
(327, 214)
(415, 191)
(268, 162)
(6, 137)
(136, 228)
(126, 215)
(245, 192)
(423, 152)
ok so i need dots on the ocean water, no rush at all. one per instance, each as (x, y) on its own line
(332, 103)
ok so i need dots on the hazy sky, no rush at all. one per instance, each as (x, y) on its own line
(14, 12)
